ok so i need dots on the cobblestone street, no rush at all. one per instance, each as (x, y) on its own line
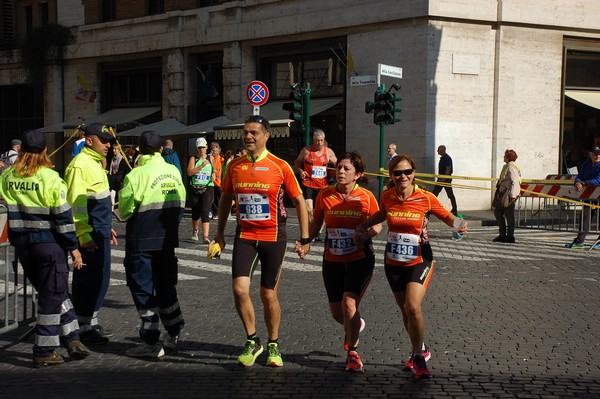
(502, 320)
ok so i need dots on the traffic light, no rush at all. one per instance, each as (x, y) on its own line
(395, 108)
(295, 107)
(383, 107)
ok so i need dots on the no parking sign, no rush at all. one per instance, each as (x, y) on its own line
(257, 94)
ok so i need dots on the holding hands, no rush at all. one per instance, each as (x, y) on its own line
(302, 249)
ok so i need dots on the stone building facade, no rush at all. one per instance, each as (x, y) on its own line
(479, 76)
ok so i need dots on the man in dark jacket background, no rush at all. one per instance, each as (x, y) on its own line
(170, 155)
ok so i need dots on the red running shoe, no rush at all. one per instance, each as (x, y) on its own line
(410, 365)
(353, 362)
(421, 370)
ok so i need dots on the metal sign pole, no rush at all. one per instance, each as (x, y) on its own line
(307, 112)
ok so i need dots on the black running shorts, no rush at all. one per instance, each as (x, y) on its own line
(247, 254)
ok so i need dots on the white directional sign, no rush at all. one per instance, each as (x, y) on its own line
(388, 70)
(365, 80)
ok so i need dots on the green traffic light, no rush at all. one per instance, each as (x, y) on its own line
(295, 108)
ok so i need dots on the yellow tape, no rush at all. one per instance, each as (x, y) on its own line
(63, 144)
(112, 132)
(384, 173)
(524, 181)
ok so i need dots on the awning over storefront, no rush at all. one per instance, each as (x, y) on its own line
(277, 116)
(590, 98)
(61, 126)
(203, 127)
(116, 116)
(164, 128)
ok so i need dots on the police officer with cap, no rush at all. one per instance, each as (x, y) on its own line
(41, 229)
(89, 194)
(152, 201)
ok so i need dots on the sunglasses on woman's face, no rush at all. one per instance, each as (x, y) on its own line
(406, 172)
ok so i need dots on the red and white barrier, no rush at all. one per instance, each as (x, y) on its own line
(564, 191)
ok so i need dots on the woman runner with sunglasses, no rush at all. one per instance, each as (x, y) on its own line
(408, 256)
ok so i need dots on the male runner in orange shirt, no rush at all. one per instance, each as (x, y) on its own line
(311, 165)
(258, 181)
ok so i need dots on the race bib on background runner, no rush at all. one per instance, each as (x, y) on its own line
(319, 172)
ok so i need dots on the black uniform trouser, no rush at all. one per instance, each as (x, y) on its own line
(46, 267)
(152, 280)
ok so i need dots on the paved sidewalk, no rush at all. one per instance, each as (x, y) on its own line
(503, 321)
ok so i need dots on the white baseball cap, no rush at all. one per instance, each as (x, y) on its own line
(201, 142)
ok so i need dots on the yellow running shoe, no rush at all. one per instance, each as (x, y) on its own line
(274, 359)
(250, 353)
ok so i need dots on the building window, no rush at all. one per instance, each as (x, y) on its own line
(581, 112)
(28, 18)
(207, 81)
(7, 26)
(207, 3)
(21, 108)
(320, 63)
(109, 10)
(133, 88)
(156, 7)
(136, 83)
(43, 16)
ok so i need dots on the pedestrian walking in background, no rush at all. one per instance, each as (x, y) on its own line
(79, 143)
(391, 150)
(9, 157)
(509, 184)
(152, 201)
(229, 156)
(40, 227)
(117, 170)
(170, 155)
(445, 167)
(409, 261)
(200, 171)
(347, 264)
(258, 182)
(216, 160)
(89, 194)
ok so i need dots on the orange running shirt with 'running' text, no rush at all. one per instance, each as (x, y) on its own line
(258, 188)
(407, 224)
(341, 217)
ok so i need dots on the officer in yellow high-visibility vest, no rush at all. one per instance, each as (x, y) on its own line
(89, 195)
(40, 227)
(152, 201)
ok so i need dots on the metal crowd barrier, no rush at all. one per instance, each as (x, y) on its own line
(553, 214)
(8, 278)
(12, 295)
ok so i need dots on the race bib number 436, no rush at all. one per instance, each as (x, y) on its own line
(402, 247)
